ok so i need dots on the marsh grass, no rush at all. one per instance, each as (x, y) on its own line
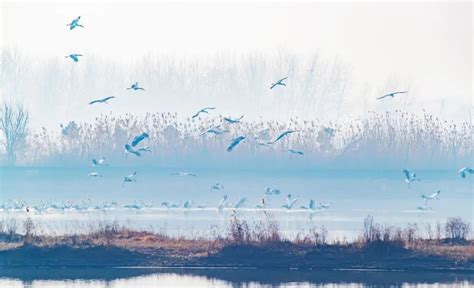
(375, 238)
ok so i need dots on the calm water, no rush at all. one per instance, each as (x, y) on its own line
(137, 277)
(353, 194)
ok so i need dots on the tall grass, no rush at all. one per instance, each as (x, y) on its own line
(392, 140)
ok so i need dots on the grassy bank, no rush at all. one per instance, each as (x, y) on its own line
(263, 246)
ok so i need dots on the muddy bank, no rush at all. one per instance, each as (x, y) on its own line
(282, 256)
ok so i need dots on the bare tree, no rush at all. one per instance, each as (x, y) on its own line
(14, 127)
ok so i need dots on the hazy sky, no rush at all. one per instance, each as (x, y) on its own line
(427, 47)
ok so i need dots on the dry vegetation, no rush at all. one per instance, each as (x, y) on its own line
(375, 238)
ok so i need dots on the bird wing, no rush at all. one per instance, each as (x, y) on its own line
(399, 92)
(94, 101)
(283, 79)
(381, 97)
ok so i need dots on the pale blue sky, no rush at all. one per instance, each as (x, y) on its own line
(427, 47)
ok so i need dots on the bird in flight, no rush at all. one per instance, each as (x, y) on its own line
(217, 186)
(290, 202)
(215, 130)
(94, 174)
(271, 191)
(184, 174)
(234, 143)
(203, 110)
(129, 149)
(75, 23)
(233, 121)
(100, 162)
(74, 57)
(103, 100)
(392, 94)
(410, 177)
(430, 197)
(296, 152)
(279, 82)
(139, 139)
(135, 87)
(462, 172)
(288, 132)
(241, 203)
(129, 178)
(222, 203)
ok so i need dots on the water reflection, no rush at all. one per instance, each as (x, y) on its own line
(125, 277)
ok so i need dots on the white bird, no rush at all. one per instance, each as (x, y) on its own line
(139, 138)
(100, 162)
(222, 203)
(290, 202)
(215, 130)
(75, 23)
(94, 174)
(279, 82)
(233, 120)
(312, 205)
(410, 177)
(462, 172)
(271, 191)
(129, 178)
(217, 186)
(135, 87)
(74, 57)
(392, 94)
(103, 100)
(296, 152)
(234, 143)
(286, 133)
(430, 197)
(241, 203)
(188, 204)
(184, 174)
(204, 110)
(129, 149)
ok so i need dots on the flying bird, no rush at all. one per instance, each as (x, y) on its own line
(297, 152)
(279, 82)
(204, 110)
(100, 162)
(94, 174)
(430, 197)
(271, 191)
(129, 178)
(135, 87)
(217, 186)
(241, 203)
(290, 202)
(139, 139)
(288, 132)
(129, 149)
(103, 100)
(184, 174)
(234, 143)
(222, 203)
(462, 172)
(392, 94)
(410, 177)
(215, 130)
(74, 57)
(75, 23)
(233, 120)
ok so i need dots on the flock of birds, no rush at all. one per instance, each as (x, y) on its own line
(134, 148)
